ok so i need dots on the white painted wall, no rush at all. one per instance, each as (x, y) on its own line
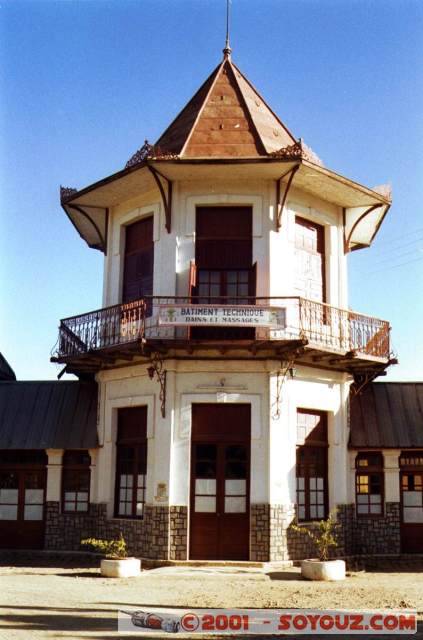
(273, 251)
(274, 437)
(273, 442)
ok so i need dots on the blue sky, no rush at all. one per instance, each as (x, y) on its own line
(84, 83)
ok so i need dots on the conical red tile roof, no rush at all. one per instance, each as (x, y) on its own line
(227, 117)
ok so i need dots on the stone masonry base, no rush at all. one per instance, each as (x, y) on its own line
(163, 532)
(147, 537)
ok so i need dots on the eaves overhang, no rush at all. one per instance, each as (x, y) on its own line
(88, 208)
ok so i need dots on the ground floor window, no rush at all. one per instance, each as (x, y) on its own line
(311, 467)
(76, 477)
(131, 462)
(369, 484)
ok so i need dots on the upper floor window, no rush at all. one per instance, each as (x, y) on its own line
(369, 484)
(131, 462)
(138, 260)
(311, 467)
(76, 481)
(224, 273)
(310, 281)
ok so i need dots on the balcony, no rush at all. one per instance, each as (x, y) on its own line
(312, 332)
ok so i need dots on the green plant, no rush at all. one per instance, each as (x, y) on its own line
(324, 537)
(110, 548)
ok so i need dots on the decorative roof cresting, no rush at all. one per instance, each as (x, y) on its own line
(66, 192)
(149, 152)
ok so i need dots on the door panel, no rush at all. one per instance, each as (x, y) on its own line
(22, 497)
(220, 476)
(138, 261)
(412, 511)
(223, 258)
(204, 537)
(309, 260)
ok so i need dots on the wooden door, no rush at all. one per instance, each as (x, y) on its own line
(412, 511)
(220, 482)
(224, 270)
(138, 261)
(22, 508)
(309, 260)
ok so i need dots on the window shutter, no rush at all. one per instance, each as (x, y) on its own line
(253, 282)
(138, 261)
(192, 282)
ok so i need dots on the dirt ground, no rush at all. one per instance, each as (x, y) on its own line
(77, 603)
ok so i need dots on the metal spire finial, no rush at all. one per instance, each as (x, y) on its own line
(227, 50)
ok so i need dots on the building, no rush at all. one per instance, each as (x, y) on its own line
(224, 353)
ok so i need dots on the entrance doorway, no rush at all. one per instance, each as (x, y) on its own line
(22, 495)
(411, 478)
(220, 482)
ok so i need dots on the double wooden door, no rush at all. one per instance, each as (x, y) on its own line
(22, 497)
(220, 482)
(224, 272)
(412, 511)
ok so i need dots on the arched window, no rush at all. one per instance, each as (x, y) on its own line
(76, 481)
(369, 484)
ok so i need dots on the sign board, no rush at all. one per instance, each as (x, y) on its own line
(178, 315)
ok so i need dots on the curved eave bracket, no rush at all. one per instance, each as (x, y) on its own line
(361, 225)
(96, 240)
(282, 190)
(165, 187)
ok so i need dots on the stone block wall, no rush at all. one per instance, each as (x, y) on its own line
(273, 540)
(301, 546)
(259, 532)
(376, 535)
(280, 518)
(178, 533)
(156, 532)
(163, 533)
(147, 537)
(65, 531)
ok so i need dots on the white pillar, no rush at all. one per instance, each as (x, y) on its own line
(54, 475)
(338, 449)
(93, 475)
(158, 492)
(392, 483)
(282, 443)
(351, 476)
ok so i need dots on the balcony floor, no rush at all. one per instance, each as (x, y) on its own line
(300, 352)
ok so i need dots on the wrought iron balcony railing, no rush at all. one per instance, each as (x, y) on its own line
(174, 319)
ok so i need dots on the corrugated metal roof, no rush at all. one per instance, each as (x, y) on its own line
(387, 415)
(6, 371)
(51, 414)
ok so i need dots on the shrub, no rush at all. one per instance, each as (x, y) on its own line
(110, 548)
(324, 537)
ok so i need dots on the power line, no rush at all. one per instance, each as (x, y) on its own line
(384, 250)
(394, 266)
(392, 257)
(401, 237)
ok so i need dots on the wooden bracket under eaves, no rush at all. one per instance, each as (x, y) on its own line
(165, 188)
(282, 193)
